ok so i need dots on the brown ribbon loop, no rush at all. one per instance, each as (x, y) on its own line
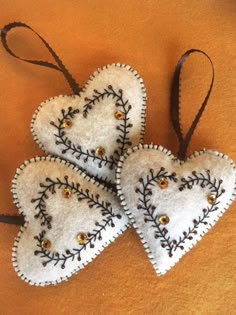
(59, 67)
(15, 220)
(175, 106)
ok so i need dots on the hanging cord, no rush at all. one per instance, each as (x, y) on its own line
(175, 106)
(11, 219)
(59, 67)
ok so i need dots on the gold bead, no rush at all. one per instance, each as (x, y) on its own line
(211, 199)
(163, 183)
(67, 123)
(82, 238)
(67, 193)
(100, 152)
(46, 244)
(119, 115)
(163, 219)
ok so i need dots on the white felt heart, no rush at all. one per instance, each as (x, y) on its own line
(92, 130)
(172, 204)
(69, 217)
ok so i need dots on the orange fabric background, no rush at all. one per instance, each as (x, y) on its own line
(150, 36)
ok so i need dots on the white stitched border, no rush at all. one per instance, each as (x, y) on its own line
(129, 213)
(23, 228)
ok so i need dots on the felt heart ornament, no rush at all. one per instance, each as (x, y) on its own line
(174, 201)
(172, 204)
(95, 125)
(69, 220)
(94, 128)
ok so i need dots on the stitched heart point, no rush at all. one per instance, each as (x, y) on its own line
(70, 219)
(172, 204)
(92, 130)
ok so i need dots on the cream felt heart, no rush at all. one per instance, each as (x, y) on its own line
(93, 129)
(172, 204)
(69, 218)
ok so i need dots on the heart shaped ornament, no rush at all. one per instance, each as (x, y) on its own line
(69, 220)
(172, 204)
(93, 129)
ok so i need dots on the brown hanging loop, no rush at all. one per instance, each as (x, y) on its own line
(15, 220)
(175, 106)
(59, 67)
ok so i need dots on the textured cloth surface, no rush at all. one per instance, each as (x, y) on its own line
(61, 204)
(150, 36)
(173, 204)
(108, 114)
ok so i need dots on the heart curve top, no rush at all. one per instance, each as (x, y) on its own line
(172, 204)
(69, 218)
(92, 130)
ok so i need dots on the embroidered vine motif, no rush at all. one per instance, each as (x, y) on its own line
(160, 232)
(51, 186)
(123, 128)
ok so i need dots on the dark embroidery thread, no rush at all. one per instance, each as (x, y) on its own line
(51, 186)
(204, 180)
(123, 128)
